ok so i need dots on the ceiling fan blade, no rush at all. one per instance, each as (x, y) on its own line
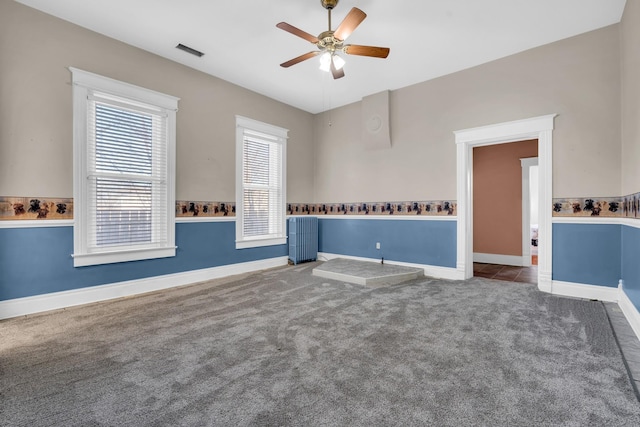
(300, 58)
(375, 51)
(337, 74)
(351, 21)
(297, 32)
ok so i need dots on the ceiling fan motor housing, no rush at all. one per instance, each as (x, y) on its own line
(329, 4)
(326, 41)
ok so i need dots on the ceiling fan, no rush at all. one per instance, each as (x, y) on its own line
(330, 42)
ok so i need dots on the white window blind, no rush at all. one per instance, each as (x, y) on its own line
(261, 184)
(124, 162)
(127, 170)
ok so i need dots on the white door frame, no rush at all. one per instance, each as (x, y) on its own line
(526, 165)
(540, 128)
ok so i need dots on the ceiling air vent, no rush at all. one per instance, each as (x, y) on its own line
(189, 50)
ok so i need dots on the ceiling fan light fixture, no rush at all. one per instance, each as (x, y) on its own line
(338, 62)
(325, 61)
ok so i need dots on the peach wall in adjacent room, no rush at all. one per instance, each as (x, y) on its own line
(497, 197)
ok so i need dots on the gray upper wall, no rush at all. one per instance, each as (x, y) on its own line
(36, 149)
(577, 78)
(630, 52)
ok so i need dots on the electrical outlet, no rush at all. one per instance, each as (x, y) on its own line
(377, 245)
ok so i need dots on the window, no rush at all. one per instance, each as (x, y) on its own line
(260, 183)
(124, 165)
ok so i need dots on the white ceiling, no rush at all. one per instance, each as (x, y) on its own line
(428, 38)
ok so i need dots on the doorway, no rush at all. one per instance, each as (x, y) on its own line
(501, 203)
(540, 128)
(502, 217)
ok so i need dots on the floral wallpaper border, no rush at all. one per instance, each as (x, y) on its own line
(204, 209)
(631, 206)
(35, 208)
(424, 208)
(421, 208)
(616, 207)
(29, 208)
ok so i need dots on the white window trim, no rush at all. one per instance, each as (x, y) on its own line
(282, 134)
(83, 83)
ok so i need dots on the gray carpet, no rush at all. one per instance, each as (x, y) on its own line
(283, 347)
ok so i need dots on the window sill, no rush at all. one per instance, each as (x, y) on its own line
(244, 244)
(83, 260)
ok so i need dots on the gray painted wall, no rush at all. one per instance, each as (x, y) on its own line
(630, 41)
(36, 150)
(578, 78)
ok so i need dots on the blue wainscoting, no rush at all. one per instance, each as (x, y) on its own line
(35, 261)
(38, 260)
(587, 253)
(427, 242)
(631, 263)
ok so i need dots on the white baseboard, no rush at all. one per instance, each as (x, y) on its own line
(448, 273)
(629, 311)
(544, 281)
(56, 300)
(517, 260)
(579, 290)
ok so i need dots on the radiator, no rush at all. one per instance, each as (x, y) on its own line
(303, 239)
